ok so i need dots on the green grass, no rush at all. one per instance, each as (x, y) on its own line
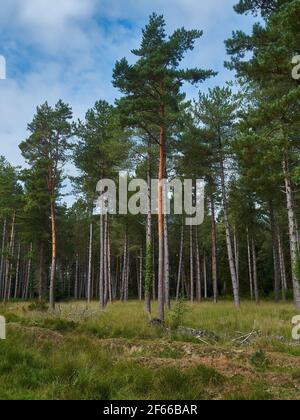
(80, 352)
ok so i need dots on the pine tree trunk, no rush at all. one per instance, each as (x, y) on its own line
(231, 261)
(167, 264)
(161, 174)
(255, 278)
(198, 284)
(2, 258)
(17, 272)
(76, 277)
(101, 274)
(149, 251)
(205, 277)
(275, 253)
(214, 251)
(282, 267)
(54, 257)
(250, 265)
(89, 285)
(7, 280)
(179, 277)
(140, 277)
(292, 234)
(237, 257)
(191, 265)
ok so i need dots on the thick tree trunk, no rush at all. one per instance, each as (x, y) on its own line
(214, 251)
(292, 234)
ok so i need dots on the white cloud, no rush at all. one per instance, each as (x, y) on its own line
(67, 48)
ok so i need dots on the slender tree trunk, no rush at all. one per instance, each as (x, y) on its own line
(167, 264)
(255, 278)
(232, 266)
(282, 267)
(250, 265)
(76, 277)
(275, 253)
(214, 251)
(292, 234)
(2, 258)
(205, 277)
(198, 284)
(89, 285)
(101, 274)
(17, 271)
(191, 265)
(140, 276)
(237, 257)
(161, 174)
(105, 245)
(179, 277)
(109, 261)
(7, 280)
(54, 257)
(149, 250)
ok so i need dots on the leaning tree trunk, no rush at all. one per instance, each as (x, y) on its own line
(292, 234)
(214, 251)
(231, 261)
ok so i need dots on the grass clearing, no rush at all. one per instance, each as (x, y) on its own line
(82, 353)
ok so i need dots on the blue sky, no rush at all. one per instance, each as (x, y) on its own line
(67, 49)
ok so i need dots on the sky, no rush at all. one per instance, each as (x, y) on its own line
(67, 49)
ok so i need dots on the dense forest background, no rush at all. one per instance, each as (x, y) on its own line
(242, 138)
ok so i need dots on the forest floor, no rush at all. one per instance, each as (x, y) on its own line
(82, 353)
